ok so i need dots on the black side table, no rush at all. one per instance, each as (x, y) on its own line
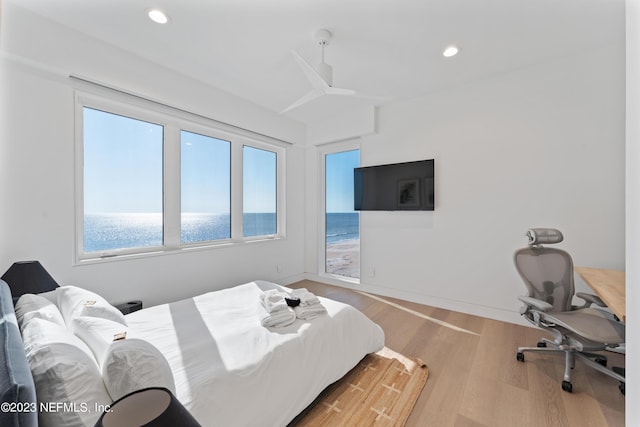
(129, 306)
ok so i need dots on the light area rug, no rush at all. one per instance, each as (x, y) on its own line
(380, 391)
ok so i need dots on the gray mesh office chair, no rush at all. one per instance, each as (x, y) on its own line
(577, 330)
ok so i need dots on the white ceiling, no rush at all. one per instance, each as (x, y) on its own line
(390, 48)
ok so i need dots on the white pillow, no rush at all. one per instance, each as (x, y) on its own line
(51, 295)
(74, 302)
(98, 334)
(132, 364)
(30, 306)
(40, 332)
(64, 373)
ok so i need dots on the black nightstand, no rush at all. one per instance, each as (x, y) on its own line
(129, 306)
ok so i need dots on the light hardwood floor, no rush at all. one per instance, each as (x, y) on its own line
(474, 377)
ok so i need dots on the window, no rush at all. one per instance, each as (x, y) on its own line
(259, 191)
(205, 188)
(342, 223)
(151, 179)
(122, 182)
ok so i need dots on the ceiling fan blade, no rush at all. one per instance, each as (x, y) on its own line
(339, 91)
(309, 96)
(312, 75)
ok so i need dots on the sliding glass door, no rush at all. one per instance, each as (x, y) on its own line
(342, 223)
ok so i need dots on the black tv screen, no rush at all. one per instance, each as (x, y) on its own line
(395, 187)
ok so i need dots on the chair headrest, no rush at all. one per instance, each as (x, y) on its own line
(539, 236)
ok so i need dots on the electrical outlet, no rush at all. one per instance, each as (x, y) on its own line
(372, 272)
(278, 268)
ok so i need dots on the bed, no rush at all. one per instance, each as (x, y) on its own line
(210, 350)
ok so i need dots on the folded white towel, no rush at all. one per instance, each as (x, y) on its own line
(308, 312)
(306, 297)
(276, 319)
(273, 300)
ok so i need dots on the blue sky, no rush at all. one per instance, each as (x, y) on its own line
(123, 170)
(123, 160)
(339, 180)
(205, 166)
(119, 152)
(259, 180)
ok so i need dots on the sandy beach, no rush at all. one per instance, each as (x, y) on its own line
(343, 258)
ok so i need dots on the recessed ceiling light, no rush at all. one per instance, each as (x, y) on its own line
(156, 15)
(450, 51)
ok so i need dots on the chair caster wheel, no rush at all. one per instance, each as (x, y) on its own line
(621, 388)
(520, 356)
(567, 386)
(542, 344)
(601, 360)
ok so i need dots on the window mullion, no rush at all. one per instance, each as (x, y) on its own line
(236, 191)
(280, 193)
(172, 200)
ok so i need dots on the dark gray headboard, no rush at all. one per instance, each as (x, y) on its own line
(17, 391)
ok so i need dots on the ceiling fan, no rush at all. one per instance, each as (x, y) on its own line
(321, 76)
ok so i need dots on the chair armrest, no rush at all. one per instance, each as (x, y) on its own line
(590, 299)
(536, 303)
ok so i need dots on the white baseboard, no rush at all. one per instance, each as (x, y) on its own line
(430, 300)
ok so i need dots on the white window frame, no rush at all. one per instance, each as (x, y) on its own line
(323, 151)
(174, 121)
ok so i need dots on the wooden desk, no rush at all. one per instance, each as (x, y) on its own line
(609, 285)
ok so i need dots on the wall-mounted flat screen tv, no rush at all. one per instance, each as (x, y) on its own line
(395, 187)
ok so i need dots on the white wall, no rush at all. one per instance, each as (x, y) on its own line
(37, 166)
(343, 126)
(541, 146)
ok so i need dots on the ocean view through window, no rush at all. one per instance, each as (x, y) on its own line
(259, 192)
(152, 180)
(122, 182)
(205, 188)
(342, 222)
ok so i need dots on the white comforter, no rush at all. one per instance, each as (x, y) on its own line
(231, 371)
